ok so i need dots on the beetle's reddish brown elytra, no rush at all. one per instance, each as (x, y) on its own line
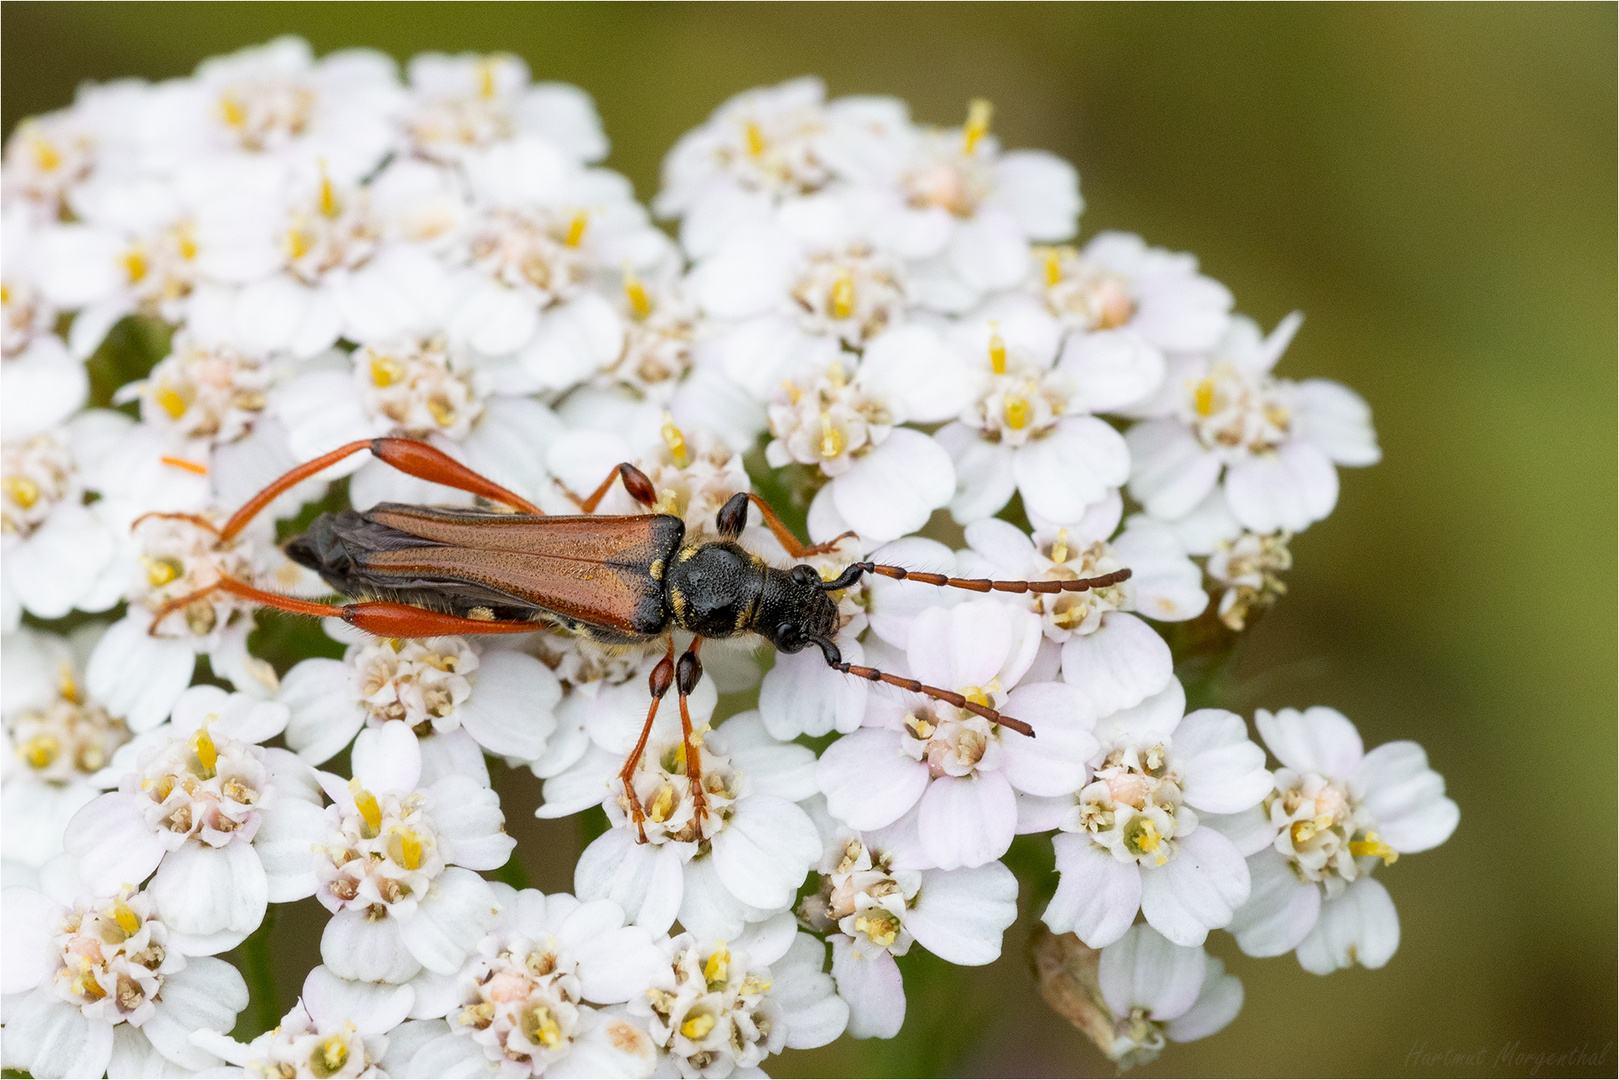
(423, 571)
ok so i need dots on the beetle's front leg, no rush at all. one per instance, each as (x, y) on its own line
(686, 676)
(663, 676)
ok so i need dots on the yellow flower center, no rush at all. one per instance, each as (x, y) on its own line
(370, 812)
(979, 112)
(675, 440)
(717, 971)
(881, 929)
(385, 370)
(330, 1058)
(842, 296)
(22, 491)
(541, 1027)
(697, 1027)
(635, 293)
(135, 264)
(997, 351)
(40, 751)
(1018, 412)
(1373, 845)
(125, 916)
(1203, 397)
(832, 437)
(159, 572)
(202, 745)
(576, 229)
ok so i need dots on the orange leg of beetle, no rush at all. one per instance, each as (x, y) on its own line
(784, 535)
(686, 675)
(635, 482)
(663, 676)
(381, 617)
(407, 455)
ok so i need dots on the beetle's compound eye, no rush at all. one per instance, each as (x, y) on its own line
(790, 637)
(806, 575)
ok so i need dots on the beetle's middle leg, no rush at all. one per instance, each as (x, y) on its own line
(663, 676)
(686, 675)
(635, 482)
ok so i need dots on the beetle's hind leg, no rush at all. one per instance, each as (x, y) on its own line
(663, 676)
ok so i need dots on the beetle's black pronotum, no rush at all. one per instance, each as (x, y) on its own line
(418, 571)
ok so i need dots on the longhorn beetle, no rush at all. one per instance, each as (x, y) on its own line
(423, 571)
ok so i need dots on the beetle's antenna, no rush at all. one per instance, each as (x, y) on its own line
(852, 574)
(834, 659)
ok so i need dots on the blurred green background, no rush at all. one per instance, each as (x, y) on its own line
(1435, 187)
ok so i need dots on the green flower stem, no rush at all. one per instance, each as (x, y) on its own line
(264, 1001)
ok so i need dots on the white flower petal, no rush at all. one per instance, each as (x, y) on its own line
(323, 717)
(1359, 926)
(1319, 739)
(1290, 489)
(1061, 475)
(894, 489)
(387, 758)
(1053, 762)
(1281, 910)
(1198, 890)
(1170, 472)
(471, 827)
(801, 695)
(354, 946)
(1337, 420)
(211, 898)
(206, 994)
(609, 1043)
(967, 820)
(286, 842)
(768, 765)
(510, 710)
(868, 780)
(1120, 665)
(1406, 798)
(1223, 772)
(765, 851)
(373, 1008)
(1097, 895)
(870, 981)
(708, 908)
(1218, 1004)
(137, 676)
(643, 879)
(985, 479)
(458, 909)
(48, 1037)
(113, 842)
(960, 915)
(1144, 970)
(28, 926)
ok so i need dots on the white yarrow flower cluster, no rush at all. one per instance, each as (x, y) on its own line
(876, 320)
